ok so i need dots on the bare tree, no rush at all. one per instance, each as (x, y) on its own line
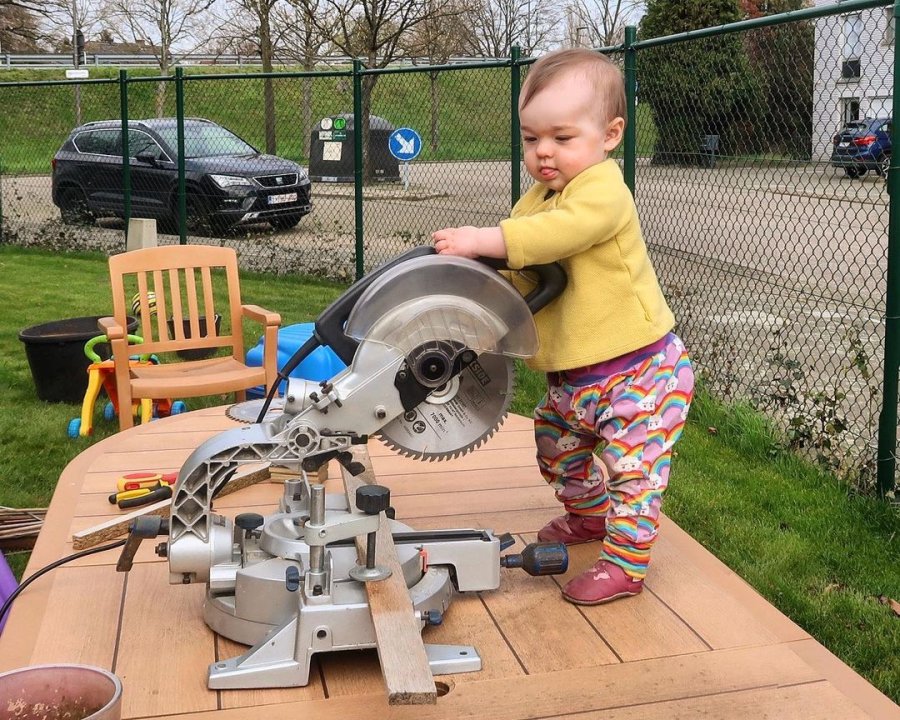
(497, 25)
(162, 24)
(438, 38)
(33, 6)
(261, 12)
(307, 33)
(373, 30)
(19, 29)
(600, 23)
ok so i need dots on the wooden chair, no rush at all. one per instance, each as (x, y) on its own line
(171, 288)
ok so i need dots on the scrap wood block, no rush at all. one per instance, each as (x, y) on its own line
(118, 526)
(398, 634)
(279, 474)
(111, 529)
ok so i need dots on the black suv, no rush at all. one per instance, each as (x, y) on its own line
(227, 180)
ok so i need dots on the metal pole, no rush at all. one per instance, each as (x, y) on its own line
(76, 60)
(358, 165)
(182, 196)
(630, 106)
(126, 148)
(515, 132)
(887, 421)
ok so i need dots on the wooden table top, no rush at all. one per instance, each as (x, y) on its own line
(698, 640)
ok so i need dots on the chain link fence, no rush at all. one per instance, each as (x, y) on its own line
(759, 161)
(763, 199)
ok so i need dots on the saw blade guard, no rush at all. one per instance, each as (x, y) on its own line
(442, 297)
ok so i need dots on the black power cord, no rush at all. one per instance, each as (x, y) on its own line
(47, 568)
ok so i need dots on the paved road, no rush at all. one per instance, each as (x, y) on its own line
(808, 225)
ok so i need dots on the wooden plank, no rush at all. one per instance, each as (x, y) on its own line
(430, 482)
(570, 691)
(68, 634)
(846, 680)
(355, 672)
(716, 615)
(638, 628)
(117, 526)
(543, 639)
(468, 622)
(713, 568)
(165, 648)
(463, 503)
(407, 674)
(811, 701)
(18, 637)
(140, 461)
(504, 457)
(511, 521)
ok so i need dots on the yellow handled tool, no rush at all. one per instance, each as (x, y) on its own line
(163, 492)
(118, 497)
(138, 480)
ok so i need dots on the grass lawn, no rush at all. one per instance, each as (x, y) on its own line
(827, 559)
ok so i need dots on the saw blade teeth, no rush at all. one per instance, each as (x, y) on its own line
(450, 454)
(402, 439)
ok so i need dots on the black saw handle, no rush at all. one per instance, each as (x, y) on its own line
(551, 281)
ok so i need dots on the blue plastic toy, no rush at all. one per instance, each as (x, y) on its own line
(322, 364)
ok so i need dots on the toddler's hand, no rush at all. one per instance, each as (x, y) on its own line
(470, 242)
(461, 241)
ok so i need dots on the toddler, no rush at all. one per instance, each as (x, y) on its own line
(619, 381)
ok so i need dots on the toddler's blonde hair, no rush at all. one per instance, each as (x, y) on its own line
(605, 78)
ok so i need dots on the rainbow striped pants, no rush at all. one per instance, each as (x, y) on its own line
(604, 436)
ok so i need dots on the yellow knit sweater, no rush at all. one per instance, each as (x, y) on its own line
(613, 303)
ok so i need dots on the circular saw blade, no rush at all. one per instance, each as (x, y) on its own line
(445, 427)
(248, 411)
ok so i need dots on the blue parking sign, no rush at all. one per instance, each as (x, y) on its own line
(405, 144)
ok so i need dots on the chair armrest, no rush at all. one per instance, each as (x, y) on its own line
(110, 328)
(266, 317)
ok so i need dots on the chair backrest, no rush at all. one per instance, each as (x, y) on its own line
(171, 288)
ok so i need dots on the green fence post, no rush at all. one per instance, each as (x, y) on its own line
(358, 165)
(182, 196)
(126, 149)
(515, 133)
(887, 421)
(630, 106)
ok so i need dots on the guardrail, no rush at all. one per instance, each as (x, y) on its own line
(65, 60)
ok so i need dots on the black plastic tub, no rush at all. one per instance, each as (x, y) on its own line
(55, 353)
(197, 353)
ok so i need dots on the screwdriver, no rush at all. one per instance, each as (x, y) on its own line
(138, 480)
(142, 496)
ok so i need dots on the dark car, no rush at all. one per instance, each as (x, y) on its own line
(863, 145)
(227, 180)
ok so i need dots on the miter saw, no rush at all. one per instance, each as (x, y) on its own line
(429, 342)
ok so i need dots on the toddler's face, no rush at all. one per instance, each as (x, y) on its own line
(562, 133)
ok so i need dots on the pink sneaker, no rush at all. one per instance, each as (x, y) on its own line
(573, 529)
(601, 583)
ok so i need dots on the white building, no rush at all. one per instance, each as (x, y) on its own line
(853, 76)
